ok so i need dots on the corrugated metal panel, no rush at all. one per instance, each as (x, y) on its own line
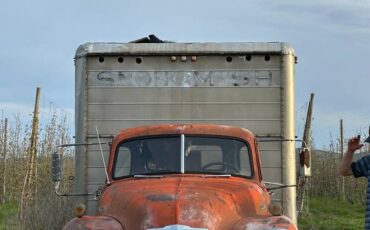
(117, 95)
(96, 159)
(95, 174)
(257, 109)
(107, 127)
(173, 111)
(272, 174)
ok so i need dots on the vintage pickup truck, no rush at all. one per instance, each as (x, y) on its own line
(192, 176)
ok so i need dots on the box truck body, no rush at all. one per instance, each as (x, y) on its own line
(248, 85)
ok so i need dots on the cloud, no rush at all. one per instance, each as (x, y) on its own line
(340, 16)
(326, 122)
(331, 39)
(11, 109)
(25, 112)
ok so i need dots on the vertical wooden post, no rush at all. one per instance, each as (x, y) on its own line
(4, 154)
(302, 180)
(29, 183)
(307, 128)
(368, 144)
(341, 156)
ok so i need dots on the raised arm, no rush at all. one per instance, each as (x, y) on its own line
(345, 164)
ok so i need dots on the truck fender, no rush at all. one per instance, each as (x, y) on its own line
(265, 223)
(93, 223)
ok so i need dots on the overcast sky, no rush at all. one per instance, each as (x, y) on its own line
(38, 40)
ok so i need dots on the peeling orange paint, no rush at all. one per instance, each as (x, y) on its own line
(195, 200)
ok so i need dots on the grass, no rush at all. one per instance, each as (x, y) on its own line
(330, 213)
(7, 211)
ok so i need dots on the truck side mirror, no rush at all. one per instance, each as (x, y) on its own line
(56, 167)
(305, 157)
(305, 162)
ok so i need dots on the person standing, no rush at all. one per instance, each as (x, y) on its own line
(359, 168)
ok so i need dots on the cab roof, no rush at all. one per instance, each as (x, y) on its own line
(187, 129)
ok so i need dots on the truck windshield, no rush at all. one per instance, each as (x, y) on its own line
(200, 155)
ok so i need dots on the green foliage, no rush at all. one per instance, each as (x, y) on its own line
(331, 213)
(326, 181)
(44, 210)
(7, 211)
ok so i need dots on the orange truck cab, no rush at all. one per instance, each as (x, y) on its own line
(186, 177)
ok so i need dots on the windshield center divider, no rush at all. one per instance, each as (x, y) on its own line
(182, 153)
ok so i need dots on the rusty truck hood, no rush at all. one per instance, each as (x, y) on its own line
(192, 200)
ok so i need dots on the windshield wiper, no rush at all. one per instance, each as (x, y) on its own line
(148, 176)
(217, 175)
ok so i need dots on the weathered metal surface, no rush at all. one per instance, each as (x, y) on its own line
(177, 227)
(287, 129)
(183, 48)
(192, 200)
(269, 223)
(235, 84)
(260, 78)
(93, 223)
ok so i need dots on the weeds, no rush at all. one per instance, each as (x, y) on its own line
(45, 210)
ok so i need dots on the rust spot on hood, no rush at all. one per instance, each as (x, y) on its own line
(162, 197)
